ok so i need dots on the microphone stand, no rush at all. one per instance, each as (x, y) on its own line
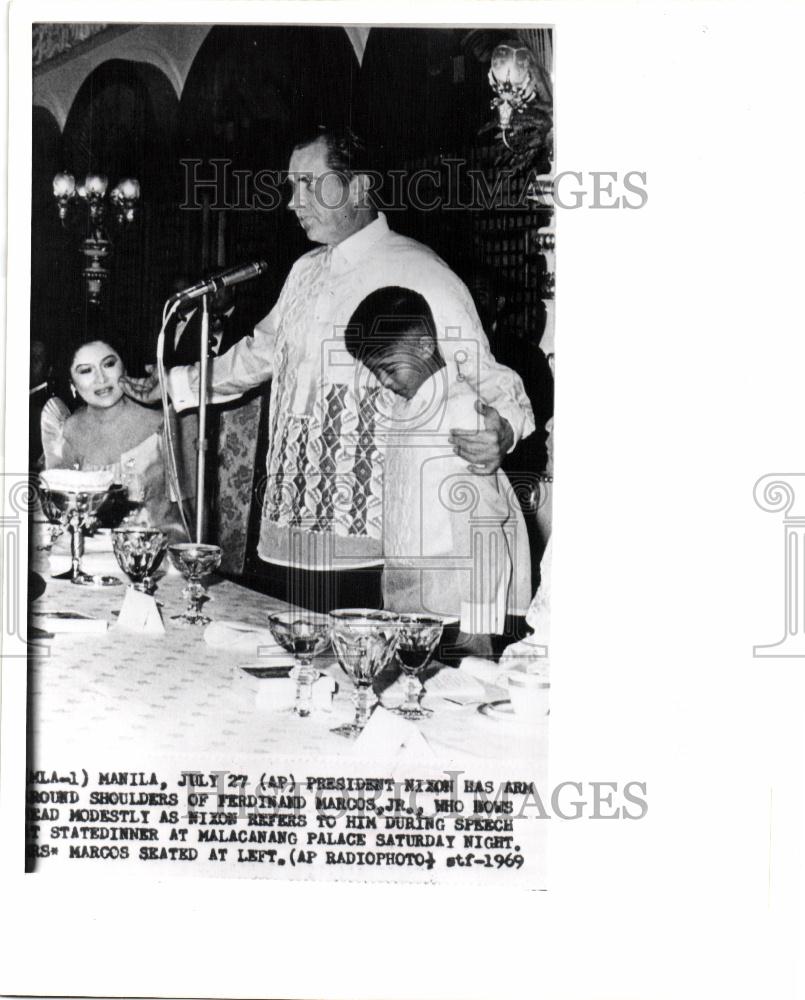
(232, 276)
(201, 443)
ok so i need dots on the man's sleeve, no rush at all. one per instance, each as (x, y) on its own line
(465, 348)
(249, 363)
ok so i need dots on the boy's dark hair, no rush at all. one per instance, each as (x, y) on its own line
(383, 316)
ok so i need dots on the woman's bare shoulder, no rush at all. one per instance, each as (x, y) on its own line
(147, 417)
(76, 424)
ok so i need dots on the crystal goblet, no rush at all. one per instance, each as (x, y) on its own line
(305, 635)
(72, 499)
(418, 638)
(194, 561)
(364, 641)
(139, 552)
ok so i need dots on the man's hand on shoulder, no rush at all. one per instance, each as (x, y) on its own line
(484, 450)
(142, 390)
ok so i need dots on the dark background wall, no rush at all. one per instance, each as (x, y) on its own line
(250, 92)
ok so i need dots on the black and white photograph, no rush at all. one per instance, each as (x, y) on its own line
(291, 410)
(401, 572)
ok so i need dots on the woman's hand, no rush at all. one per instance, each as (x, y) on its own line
(143, 390)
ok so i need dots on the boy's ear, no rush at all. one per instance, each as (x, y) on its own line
(425, 345)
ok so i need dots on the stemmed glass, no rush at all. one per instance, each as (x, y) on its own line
(305, 635)
(364, 642)
(194, 560)
(72, 498)
(139, 551)
(418, 638)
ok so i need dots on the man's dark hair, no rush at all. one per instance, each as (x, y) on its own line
(346, 151)
(383, 316)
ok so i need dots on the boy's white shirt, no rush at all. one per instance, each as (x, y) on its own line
(455, 543)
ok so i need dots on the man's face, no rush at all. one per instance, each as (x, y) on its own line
(320, 198)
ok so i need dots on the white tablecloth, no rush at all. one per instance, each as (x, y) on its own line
(133, 694)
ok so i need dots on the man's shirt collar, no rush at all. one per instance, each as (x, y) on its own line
(354, 248)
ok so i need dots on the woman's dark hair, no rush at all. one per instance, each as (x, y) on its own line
(72, 348)
(383, 316)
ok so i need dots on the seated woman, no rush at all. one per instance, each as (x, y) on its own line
(111, 432)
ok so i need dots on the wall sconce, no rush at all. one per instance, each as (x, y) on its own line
(96, 247)
(511, 76)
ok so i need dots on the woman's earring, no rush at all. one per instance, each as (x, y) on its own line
(72, 390)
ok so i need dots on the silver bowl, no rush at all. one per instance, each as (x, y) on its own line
(76, 511)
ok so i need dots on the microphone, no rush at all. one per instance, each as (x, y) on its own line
(232, 276)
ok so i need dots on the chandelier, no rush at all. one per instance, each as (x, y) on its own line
(92, 197)
(511, 76)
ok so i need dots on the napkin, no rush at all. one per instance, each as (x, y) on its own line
(139, 614)
(540, 666)
(532, 657)
(391, 736)
(485, 671)
(67, 621)
(456, 685)
(247, 640)
(277, 694)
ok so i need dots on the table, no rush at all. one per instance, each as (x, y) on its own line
(117, 713)
(174, 693)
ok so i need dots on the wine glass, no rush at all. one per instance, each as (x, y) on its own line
(139, 551)
(418, 638)
(364, 641)
(72, 498)
(305, 635)
(194, 560)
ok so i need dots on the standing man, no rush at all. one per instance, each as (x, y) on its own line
(321, 530)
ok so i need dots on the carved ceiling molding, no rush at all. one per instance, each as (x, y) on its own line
(172, 48)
